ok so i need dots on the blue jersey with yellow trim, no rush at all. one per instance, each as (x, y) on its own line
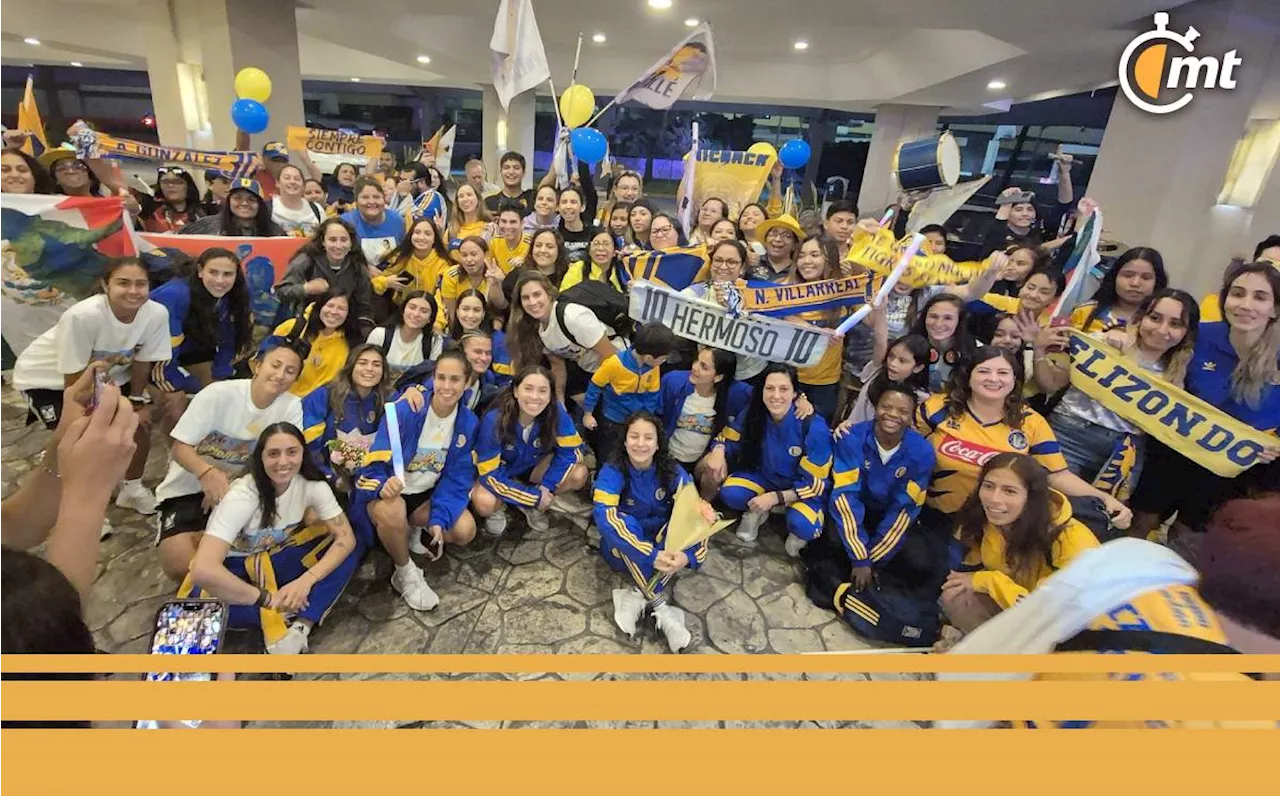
(1209, 379)
(358, 426)
(502, 465)
(452, 491)
(964, 443)
(632, 511)
(676, 387)
(175, 296)
(625, 385)
(893, 491)
(795, 454)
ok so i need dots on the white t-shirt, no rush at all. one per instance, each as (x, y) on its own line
(223, 425)
(403, 356)
(693, 428)
(423, 470)
(586, 328)
(886, 453)
(304, 220)
(87, 332)
(237, 520)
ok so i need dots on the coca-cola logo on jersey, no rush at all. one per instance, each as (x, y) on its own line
(960, 450)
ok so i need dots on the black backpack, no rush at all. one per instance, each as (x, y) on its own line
(604, 301)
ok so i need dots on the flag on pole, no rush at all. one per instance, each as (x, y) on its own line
(517, 58)
(1082, 260)
(684, 194)
(681, 69)
(29, 121)
(440, 146)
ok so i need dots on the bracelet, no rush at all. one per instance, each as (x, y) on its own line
(207, 470)
(782, 497)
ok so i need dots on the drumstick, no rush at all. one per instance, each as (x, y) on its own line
(892, 279)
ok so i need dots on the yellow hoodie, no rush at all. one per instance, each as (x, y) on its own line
(998, 581)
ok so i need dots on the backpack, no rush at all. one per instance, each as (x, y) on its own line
(605, 302)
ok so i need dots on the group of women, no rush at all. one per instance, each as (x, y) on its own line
(427, 375)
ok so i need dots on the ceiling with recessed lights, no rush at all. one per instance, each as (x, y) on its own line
(848, 54)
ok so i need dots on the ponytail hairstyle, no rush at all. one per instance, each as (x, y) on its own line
(664, 466)
(266, 489)
(428, 336)
(201, 324)
(307, 326)
(1257, 367)
(343, 384)
(455, 331)
(725, 364)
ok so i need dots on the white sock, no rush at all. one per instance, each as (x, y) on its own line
(407, 568)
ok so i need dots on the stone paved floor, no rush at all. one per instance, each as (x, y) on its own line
(528, 592)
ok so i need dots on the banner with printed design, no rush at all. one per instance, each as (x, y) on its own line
(681, 69)
(880, 253)
(749, 334)
(1192, 427)
(733, 176)
(333, 142)
(264, 261)
(52, 254)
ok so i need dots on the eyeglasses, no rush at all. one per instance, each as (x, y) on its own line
(720, 261)
(176, 171)
(661, 230)
(70, 165)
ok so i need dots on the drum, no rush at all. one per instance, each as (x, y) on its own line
(927, 163)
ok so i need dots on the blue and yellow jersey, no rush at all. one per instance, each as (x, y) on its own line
(676, 387)
(996, 578)
(963, 444)
(501, 359)
(1009, 305)
(796, 454)
(328, 354)
(501, 466)
(632, 510)
(503, 252)
(1174, 609)
(452, 491)
(321, 429)
(626, 386)
(1209, 379)
(894, 491)
(1105, 322)
(424, 273)
(175, 296)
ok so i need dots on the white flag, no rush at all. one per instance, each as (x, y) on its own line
(682, 68)
(518, 61)
(684, 193)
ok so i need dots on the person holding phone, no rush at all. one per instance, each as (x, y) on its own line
(121, 327)
(262, 554)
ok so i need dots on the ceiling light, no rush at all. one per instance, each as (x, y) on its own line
(424, 59)
(599, 38)
(691, 22)
(997, 85)
(661, 5)
(355, 80)
(76, 63)
(33, 41)
(801, 45)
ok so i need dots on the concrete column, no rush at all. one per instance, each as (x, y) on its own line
(507, 131)
(196, 47)
(894, 124)
(1157, 177)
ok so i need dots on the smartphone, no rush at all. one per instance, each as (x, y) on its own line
(1060, 322)
(186, 627)
(1016, 199)
(100, 381)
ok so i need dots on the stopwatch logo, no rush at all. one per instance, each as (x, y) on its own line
(1150, 75)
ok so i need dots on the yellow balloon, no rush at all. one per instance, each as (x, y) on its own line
(253, 83)
(763, 148)
(577, 103)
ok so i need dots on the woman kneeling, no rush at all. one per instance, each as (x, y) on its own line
(278, 547)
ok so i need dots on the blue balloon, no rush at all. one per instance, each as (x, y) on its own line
(250, 115)
(794, 154)
(588, 144)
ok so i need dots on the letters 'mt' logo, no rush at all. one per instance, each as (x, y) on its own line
(1150, 76)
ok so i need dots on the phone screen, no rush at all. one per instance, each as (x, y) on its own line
(186, 627)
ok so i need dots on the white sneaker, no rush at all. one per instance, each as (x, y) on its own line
(628, 607)
(294, 641)
(415, 541)
(107, 530)
(412, 585)
(537, 520)
(794, 545)
(133, 495)
(749, 526)
(671, 623)
(496, 523)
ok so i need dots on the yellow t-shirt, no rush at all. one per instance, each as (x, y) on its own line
(1000, 582)
(1105, 321)
(963, 444)
(465, 230)
(457, 281)
(426, 273)
(328, 354)
(503, 253)
(573, 275)
(827, 371)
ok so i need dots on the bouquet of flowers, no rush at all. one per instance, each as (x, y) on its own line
(345, 455)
